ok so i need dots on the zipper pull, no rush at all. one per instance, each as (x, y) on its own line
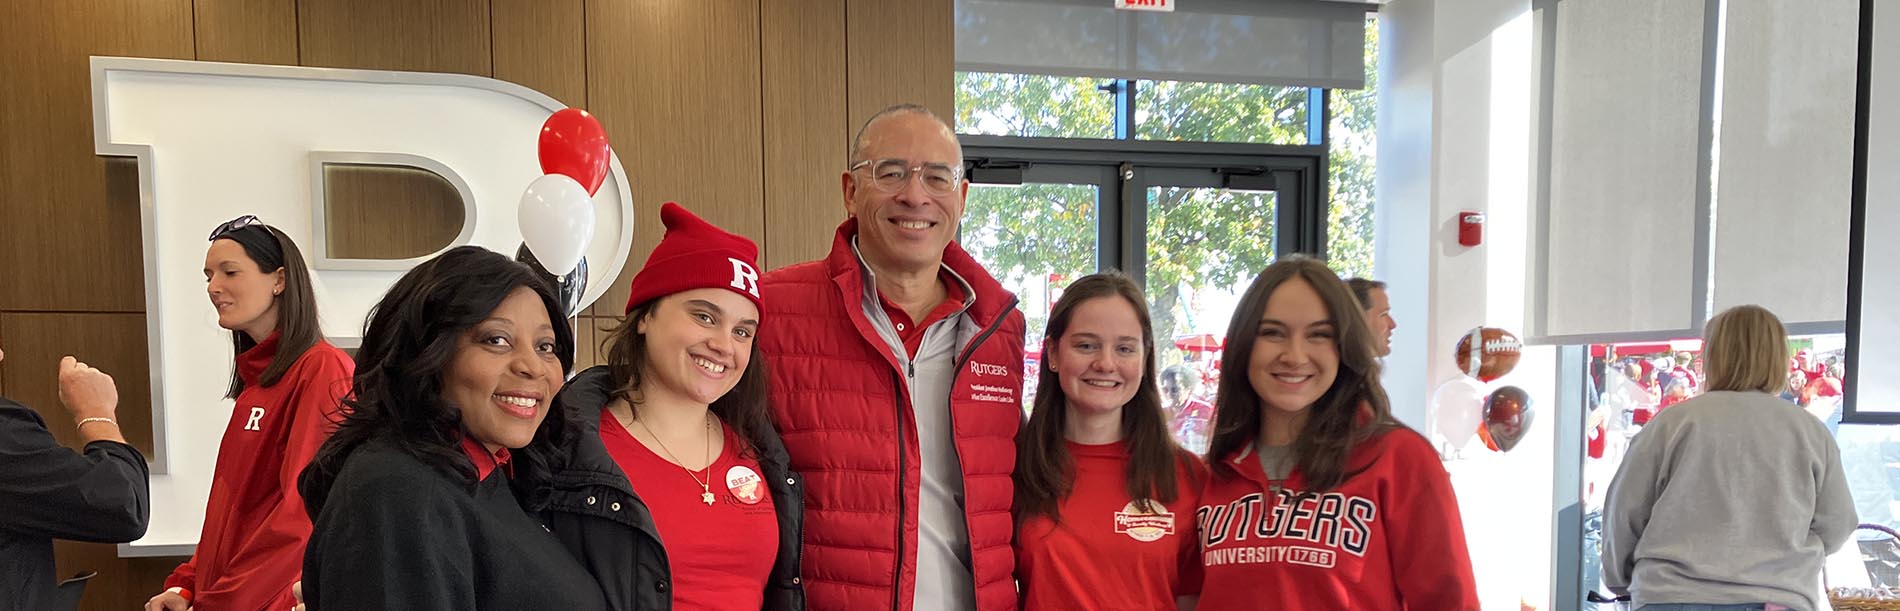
(912, 365)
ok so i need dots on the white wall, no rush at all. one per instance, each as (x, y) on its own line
(1456, 133)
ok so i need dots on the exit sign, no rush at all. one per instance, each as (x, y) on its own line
(1146, 5)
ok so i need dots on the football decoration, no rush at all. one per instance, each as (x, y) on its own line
(1507, 414)
(1487, 353)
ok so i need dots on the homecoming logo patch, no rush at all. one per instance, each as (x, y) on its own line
(1142, 525)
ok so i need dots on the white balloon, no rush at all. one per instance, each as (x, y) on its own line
(1457, 409)
(557, 222)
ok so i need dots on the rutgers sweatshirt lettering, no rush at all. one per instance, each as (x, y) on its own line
(1389, 538)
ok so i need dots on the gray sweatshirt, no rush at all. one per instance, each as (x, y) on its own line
(1726, 498)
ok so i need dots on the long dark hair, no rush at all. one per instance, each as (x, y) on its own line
(745, 408)
(1353, 410)
(1045, 473)
(410, 338)
(297, 326)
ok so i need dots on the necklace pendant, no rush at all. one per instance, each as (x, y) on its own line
(706, 496)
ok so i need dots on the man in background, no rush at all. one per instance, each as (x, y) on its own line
(1378, 309)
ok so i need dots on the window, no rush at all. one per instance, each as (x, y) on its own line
(1032, 105)
(1035, 238)
(1351, 146)
(1221, 112)
(1190, 187)
(1629, 383)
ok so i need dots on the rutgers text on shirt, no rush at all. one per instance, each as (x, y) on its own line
(991, 382)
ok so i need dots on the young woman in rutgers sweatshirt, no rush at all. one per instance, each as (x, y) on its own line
(1318, 499)
(1104, 497)
(287, 382)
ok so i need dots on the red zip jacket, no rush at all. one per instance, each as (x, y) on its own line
(251, 549)
(839, 403)
(1387, 539)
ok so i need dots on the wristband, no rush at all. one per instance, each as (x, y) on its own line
(85, 421)
(180, 591)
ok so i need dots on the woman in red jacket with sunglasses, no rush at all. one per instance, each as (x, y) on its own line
(286, 384)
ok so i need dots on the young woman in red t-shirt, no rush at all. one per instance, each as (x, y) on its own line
(1318, 499)
(1104, 496)
(678, 492)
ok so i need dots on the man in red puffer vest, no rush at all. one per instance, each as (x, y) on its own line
(896, 383)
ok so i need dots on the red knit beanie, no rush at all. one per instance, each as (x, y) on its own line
(695, 254)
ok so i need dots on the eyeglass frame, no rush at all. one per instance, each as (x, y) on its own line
(911, 173)
(235, 224)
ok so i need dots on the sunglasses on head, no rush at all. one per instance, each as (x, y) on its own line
(234, 225)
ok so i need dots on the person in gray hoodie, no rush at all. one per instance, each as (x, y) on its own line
(1731, 499)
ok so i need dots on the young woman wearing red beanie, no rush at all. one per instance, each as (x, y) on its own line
(677, 493)
(1317, 498)
(287, 383)
(1104, 496)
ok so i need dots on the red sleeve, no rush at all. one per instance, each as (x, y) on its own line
(185, 576)
(271, 558)
(1431, 567)
(1195, 474)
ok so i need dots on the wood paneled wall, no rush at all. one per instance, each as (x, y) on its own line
(383, 212)
(740, 109)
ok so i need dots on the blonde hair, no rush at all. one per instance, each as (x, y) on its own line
(1746, 349)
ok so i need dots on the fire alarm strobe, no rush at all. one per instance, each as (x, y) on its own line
(1470, 228)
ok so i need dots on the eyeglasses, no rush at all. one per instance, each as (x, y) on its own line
(892, 175)
(234, 225)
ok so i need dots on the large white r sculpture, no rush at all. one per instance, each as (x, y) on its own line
(214, 141)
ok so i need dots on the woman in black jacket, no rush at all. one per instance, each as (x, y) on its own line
(676, 492)
(414, 496)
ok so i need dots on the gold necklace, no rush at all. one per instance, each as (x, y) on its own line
(705, 485)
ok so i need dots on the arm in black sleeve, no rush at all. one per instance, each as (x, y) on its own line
(390, 541)
(102, 495)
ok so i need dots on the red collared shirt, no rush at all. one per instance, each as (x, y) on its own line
(913, 332)
(485, 463)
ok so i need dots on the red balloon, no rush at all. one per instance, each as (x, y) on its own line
(1507, 413)
(573, 144)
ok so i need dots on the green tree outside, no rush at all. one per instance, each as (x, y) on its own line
(1197, 238)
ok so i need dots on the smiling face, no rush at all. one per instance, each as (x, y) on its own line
(505, 373)
(1295, 355)
(698, 344)
(244, 295)
(1098, 360)
(905, 230)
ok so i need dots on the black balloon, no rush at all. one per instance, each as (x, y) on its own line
(568, 288)
(1507, 414)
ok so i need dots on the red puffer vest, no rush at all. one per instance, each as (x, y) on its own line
(847, 423)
